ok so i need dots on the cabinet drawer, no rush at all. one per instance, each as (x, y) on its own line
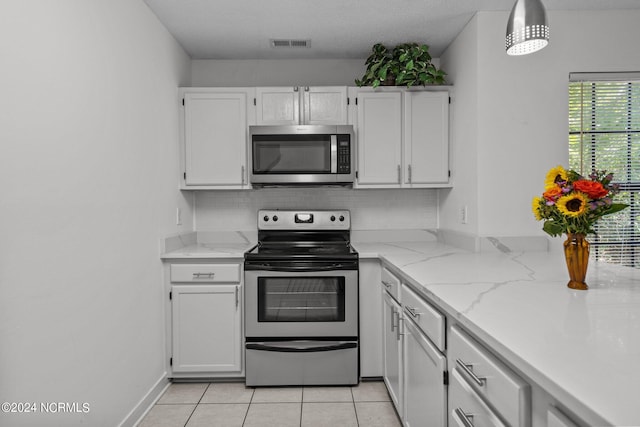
(509, 394)
(205, 273)
(466, 408)
(555, 418)
(391, 283)
(430, 321)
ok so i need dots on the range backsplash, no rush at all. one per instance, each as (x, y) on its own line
(370, 209)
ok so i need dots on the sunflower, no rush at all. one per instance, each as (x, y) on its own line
(554, 176)
(574, 204)
(535, 207)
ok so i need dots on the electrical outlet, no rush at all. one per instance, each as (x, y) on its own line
(464, 214)
(178, 216)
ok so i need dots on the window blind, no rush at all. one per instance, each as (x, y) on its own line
(604, 134)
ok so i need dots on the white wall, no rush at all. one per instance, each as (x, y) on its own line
(461, 65)
(522, 126)
(88, 131)
(370, 209)
(261, 72)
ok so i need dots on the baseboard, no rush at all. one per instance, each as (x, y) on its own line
(146, 403)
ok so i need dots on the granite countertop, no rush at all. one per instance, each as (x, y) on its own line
(583, 347)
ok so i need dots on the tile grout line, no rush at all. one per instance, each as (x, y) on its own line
(246, 414)
(197, 403)
(353, 402)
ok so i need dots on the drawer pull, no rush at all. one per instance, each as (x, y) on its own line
(203, 275)
(465, 419)
(387, 284)
(412, 311)
(468, 369)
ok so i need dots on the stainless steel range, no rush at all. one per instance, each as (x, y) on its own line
(301, 300)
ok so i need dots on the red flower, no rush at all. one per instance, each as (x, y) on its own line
(593, 189)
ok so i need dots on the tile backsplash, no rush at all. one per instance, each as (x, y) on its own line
(370, 209)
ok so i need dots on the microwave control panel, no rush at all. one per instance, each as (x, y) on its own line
(344, 154)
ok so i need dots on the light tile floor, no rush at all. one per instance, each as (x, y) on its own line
(234, 405)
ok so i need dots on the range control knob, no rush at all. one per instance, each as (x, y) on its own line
(333, 218)
(275, 217)
(341, 217)
(266, 218)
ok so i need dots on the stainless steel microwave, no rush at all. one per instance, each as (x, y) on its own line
(302, 154)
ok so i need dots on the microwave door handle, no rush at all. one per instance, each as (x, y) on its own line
(334, 154)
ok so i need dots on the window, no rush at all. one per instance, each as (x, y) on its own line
(604, 134)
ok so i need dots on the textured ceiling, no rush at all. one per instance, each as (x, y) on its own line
(242, 29)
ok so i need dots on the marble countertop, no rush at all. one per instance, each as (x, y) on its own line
(583, 347)
(208, 245)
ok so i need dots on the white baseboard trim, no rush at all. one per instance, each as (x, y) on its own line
(145, 404)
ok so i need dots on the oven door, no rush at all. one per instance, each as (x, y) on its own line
(303, 302)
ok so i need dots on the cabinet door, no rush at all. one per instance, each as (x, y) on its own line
(379, 139)
(278, 105)
(425, 391)
(215, 132)
(325, 105)
(370, 319)
(206, 325)
(426, 138)
(392, 346)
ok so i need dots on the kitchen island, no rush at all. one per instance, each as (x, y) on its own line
(578, 349)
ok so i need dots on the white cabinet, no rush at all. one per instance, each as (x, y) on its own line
(485, 378)
(214, 137)
(555, 418)
(424, 368)
(425, 394)
(414, 367)
(206, 320)
(403, 137)
(310, 105)
(379, 134)
(370, 318)
(392, 349)
(426, 138)
(392, 337)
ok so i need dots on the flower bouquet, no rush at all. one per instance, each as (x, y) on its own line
(572, 204)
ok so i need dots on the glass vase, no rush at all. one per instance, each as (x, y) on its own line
(576, 253)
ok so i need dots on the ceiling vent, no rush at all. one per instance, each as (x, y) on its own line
(278, 43)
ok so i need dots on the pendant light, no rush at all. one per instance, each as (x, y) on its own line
(527, 28)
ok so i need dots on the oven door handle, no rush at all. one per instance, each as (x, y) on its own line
(301, 349)
(263, 267)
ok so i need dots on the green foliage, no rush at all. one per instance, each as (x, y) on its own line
(408, 64)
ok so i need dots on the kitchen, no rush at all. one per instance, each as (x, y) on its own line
(90, 124)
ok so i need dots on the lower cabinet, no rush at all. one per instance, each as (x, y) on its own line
(392, 350)
(414, 367)
(424, 380)
(481, 380)
(206, 320)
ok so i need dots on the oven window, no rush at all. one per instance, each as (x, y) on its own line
(301, 299)
(291, 154)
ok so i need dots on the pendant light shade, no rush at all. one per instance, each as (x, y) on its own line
(527, 28)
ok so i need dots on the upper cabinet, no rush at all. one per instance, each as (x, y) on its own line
(215, 129)
(321, 105)
(403, 137)
(426, 138)
(402, 134)
(379, 135)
